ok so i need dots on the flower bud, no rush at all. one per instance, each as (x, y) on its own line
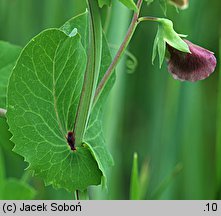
(194, 66)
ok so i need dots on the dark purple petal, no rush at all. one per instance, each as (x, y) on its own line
(197, 65)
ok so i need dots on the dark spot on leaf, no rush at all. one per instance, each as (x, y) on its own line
(71, 140)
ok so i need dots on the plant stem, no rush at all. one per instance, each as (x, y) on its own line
(91, 73)
(77, 195)
(147, 18)
(120, 52)
(3, 113)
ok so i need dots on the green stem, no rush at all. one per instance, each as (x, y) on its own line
(130, 56)
(120, 52)
(84, 195)
(76, 195)
(81, 195)
(3, 113)
(92, 71)
(148, 18)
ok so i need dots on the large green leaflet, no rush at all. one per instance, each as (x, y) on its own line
(43, 97)
(8, 55)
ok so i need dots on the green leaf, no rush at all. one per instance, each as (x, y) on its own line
(134, 181)
(17, 190)
(104, 2)
(129, 4)
(43, 96)
(166, 34)
(96, 146)
(80, 23)
(8, 55)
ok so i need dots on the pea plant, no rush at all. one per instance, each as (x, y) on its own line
(53, 92)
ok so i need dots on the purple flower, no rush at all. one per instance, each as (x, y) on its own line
(194, 66)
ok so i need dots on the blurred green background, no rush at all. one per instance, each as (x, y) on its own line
(175, 127)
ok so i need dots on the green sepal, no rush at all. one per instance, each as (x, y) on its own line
(166, 34)
(171, 37)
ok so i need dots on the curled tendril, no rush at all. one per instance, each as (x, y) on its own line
(131, 62)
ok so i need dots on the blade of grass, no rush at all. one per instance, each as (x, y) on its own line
(134, 181)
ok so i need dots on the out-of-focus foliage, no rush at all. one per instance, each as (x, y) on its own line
(9, 55)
